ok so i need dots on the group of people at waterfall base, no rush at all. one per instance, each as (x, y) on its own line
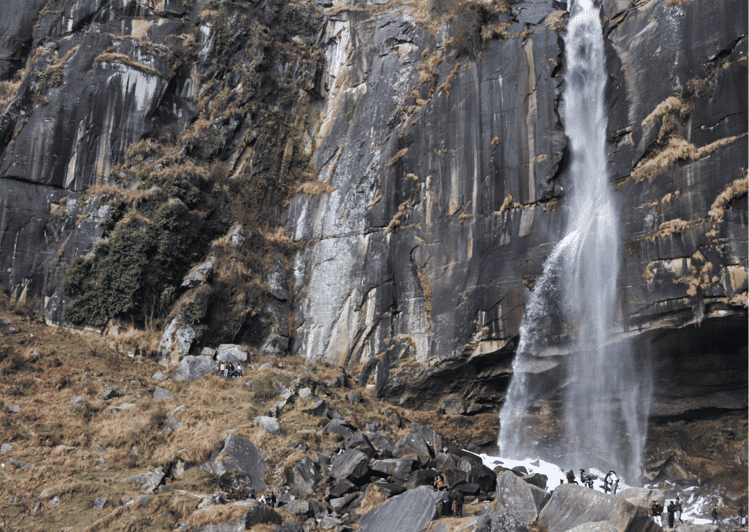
(674, 508)
(610, 482)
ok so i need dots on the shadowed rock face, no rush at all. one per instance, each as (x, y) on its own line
(444, 177)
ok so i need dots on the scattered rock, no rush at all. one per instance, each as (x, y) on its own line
(20, 465)
(121, 407)
(100, 503)
(54, 501)
(355, 397)
(171, 421)
(6, 447)
(344, 429)
(78, 404)
(153, 481)
(159, 376)
(268, 424)
(111, 393)
(14, 409)
(360, 442)
(318, 409)
(160, 394)
(340, 488)
(305, 394)
(198, 275)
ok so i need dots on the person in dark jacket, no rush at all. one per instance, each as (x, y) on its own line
(741, 514)
(679, 509)
(658, 513)
(571, 477)
(671, 509)
(716, 517)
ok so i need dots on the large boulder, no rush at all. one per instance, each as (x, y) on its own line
(642, 497)
(411, 510)
(233, 353)
(302, 477)
(239, 465)
(572, 505)
(352, 465)
(518, 496)
(399, 468)
(194, 367)
(414, 444)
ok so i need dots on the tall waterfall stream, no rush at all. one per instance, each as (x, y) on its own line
(571, 319)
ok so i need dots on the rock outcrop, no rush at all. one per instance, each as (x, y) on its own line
(434, 137)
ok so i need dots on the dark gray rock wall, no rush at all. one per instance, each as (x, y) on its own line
(414, 248)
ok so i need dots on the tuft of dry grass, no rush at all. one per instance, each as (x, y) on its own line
(314, 188)
(127, 61)
(670, 105)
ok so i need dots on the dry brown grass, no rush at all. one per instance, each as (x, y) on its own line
(669, 105)
(314, 188)
(508, 204)
(8, 91)
(125, 60)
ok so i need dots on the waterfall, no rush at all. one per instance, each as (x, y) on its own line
(604, 394)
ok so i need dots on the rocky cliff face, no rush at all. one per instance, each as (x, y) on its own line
(437, 140)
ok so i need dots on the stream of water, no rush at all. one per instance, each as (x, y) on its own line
(604, 394)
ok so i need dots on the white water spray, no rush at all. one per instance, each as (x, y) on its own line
(605, 395)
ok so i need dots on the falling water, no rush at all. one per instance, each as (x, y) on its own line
(605, 394)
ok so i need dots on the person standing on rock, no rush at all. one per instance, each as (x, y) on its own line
(741, 514)
(607, 482)
(571, 477)
(614, 483)
(678, 510)
(671, 509)
(716, 517)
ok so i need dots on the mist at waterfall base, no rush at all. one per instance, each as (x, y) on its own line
(573, 375)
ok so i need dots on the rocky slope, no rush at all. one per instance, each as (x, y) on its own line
(413, 154)
(95, 437)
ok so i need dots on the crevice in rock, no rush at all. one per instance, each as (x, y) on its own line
(26, 181)
(725, 52)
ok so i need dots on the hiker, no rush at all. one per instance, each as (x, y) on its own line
(607, 482)
(220, 370)
(651, 510)
(582, 477)
(678, 510)
(671, 509)
(571, 477)
(715, 516)
(272, 500)
(659, 513)
(741, 514)
(614, 483)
